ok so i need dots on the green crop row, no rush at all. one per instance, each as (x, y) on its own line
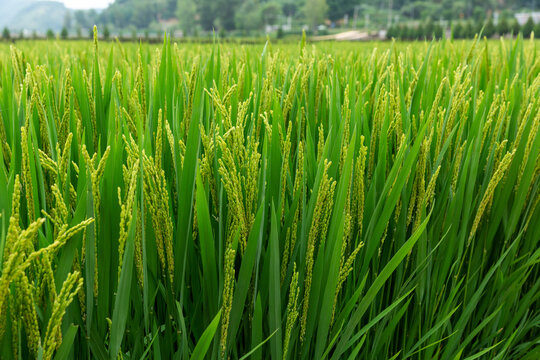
(330, 201)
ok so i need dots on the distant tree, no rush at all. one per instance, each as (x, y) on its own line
(64, 33)
(400, 32)
(412, 32)
(170, 7)
(49, 34)
(338, 8)
(315, 11)
(489, 29)
(280, 33)
(34, 35)
(270, 12)
(225, 13)
(403, 33)
(6, 35)
(469, 30)
(106, 33)
(21, 35)
(207, 13)
(478, 13)
(217, 14)
(476, 27)
(458, 31)
(185, 13)
(79, 32)
(119, 14)
(528, 28)
(414, 9)
(391, 33)
(537, 30)
(289, 8)
(409, 32)
(503, 27)
(515, 28)
(91, 33)
(438, 31)
(453, 9)
(248, 16)
(418, 32)
(428, 29)
(144, 12)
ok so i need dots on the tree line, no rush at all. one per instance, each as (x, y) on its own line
(462, 29)
(403, 19)
(193, 16)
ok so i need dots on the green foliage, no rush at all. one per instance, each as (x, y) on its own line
(470, 29)
(457, 30)
(270, 12)
(503, 27)
(209, 15)
(248, 16)
(515, 28)
(333, 201)
(6, 35)
(106, 33)
(338, 8)
(528, 28)
(429, 28)
(64, 33)
(315, 12)
(280, 33)
(428, 31)
(438, 31)
(186, 12)
(489, 29)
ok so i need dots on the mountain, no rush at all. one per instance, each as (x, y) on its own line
(9, 8)
(39, 16)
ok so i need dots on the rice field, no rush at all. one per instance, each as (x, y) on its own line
(281, 201)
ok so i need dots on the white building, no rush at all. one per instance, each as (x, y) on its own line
(523, 17)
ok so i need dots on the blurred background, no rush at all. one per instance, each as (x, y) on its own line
(322, 19)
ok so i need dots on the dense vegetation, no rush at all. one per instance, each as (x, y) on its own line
(194, 18)
(332, 201)
(462, 30)
(254, 15)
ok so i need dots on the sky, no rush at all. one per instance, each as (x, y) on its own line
(86, 4)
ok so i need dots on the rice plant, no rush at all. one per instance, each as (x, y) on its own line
(329, 201)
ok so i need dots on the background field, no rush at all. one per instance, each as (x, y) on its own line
(277, 201)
